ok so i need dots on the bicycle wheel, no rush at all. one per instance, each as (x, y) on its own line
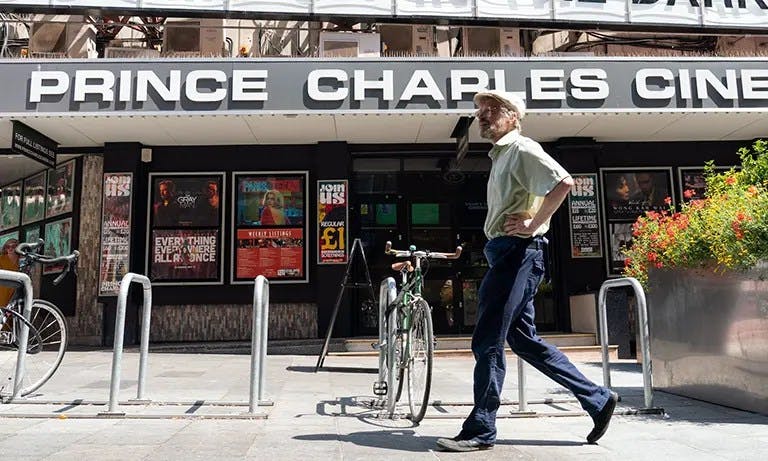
(45, 350)
(420, 348)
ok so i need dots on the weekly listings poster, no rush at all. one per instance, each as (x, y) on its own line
(332, 217)
(58, 240)
(273, 253)
(115, 232)
(269, 232)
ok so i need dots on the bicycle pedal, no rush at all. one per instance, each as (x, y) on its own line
(6, 337)
(380, 388)
(376, 346)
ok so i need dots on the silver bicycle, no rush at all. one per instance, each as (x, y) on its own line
(47, 338)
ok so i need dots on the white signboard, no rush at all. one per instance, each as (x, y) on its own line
(606, 10)
(528, 9)
(659, 12)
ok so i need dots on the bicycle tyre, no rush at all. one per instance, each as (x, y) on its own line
(394, 358)
(53, 338)
(421, 347)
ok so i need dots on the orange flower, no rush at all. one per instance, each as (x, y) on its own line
(730, 180)
(752, 191)
(668, 200)
(689, 193)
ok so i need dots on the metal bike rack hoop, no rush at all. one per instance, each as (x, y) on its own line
(642, 319)
(259, 333)
(117, 354)
(26, 283)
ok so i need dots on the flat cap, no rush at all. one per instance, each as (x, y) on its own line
(507, 99)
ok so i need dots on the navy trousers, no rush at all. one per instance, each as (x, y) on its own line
(506, 314)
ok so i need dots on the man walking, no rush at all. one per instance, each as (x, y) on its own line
(525, 187)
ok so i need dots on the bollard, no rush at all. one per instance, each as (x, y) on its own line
(26, 284)
(642, 318)
(259, 332)
(117, 354)
(522, 401)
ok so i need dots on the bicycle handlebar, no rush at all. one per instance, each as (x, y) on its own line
(422, 254)
(31, 251)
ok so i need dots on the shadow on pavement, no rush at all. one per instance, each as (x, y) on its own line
(305, 369)
(406, 440)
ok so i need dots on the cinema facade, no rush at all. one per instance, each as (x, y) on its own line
(205, 173)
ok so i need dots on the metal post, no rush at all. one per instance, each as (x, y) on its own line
(144, 350)
(26, 284)
(522, 404)
(117, 354)
(258, 341)
(642, 316)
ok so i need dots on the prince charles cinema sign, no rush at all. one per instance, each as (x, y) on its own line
(87, 88)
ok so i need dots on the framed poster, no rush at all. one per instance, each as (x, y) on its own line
(332, 221)
(619, 239)
(629, 193)
(7, 236)
(692, 178)
(34, 198)
(30, 234)
(115, 251)
(185, 200)
(58, 238)
(584, 217)
(10, 205)
(61, 185)
(270, 227)
(184, 236)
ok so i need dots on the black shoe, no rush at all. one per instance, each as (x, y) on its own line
(462, 445)
(603, 418)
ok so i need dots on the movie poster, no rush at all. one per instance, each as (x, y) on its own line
(7, 236)
(115, 232)
(270, 200)
(631, 193)
(273, 253)
(332, 218)
(61, 185)
(186, 200)
(10, 206)
(58, 238)
(34, 198)
(181, 255)
(620, 239)
(693, 179)
(583, 210)
(30, 234)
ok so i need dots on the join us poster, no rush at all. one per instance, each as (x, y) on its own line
(332, 218)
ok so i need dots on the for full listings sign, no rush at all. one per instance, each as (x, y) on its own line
(115, 232)
(332, 218)
(31, 143)
(584, 217)
(549, 85)
(671, 13)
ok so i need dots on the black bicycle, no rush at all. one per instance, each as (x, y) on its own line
(47, 339)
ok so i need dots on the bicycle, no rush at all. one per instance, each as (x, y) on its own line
(406, 339)
(47, 338)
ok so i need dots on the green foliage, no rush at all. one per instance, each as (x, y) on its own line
(726, 230)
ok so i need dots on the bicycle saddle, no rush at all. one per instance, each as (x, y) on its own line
(397, 267)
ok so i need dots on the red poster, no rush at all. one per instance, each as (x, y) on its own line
(273, 253)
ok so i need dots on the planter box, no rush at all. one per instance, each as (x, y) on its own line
(709, 335)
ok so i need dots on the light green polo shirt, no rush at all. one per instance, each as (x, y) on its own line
(521, 175)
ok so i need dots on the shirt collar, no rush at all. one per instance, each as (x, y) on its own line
(503, 142)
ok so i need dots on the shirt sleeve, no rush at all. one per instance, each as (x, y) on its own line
(536, 170)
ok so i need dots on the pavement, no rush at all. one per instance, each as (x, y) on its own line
(199, 411)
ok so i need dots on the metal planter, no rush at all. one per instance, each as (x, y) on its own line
(709, 335)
